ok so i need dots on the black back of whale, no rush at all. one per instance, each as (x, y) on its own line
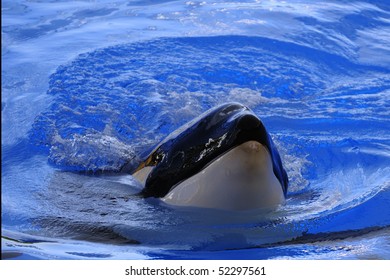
(188, 151)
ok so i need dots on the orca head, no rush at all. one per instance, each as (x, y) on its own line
(223, 159)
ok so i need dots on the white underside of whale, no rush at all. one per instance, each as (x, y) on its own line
(240, 179)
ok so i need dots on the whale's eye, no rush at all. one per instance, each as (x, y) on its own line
(156, 158)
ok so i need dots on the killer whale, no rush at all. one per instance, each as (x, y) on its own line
(223, 159)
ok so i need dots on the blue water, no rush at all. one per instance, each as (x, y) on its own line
(89, 86)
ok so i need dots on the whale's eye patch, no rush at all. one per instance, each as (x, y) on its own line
(155, 158)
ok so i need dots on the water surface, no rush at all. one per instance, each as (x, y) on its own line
(90, 86)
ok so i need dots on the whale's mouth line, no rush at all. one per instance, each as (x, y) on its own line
(218, 157)
(239, 179)
(142, 173)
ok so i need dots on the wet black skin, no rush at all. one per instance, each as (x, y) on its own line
(205, 139)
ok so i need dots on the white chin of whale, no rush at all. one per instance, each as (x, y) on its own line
(240, 179)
